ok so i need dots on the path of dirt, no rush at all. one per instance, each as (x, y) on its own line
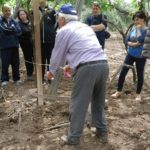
(26, 126)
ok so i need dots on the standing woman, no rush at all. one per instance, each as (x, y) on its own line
(135, 43)
(25, 40)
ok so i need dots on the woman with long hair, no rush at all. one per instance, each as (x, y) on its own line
(25, 40)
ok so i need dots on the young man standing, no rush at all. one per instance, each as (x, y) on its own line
(9, 43)
(98, 22)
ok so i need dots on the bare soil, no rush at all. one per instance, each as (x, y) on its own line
(26, 126)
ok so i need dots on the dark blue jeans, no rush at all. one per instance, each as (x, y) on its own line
(27, 49)
(140, 64)
(10, 56)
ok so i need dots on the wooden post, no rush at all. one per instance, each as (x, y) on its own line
(38, 50)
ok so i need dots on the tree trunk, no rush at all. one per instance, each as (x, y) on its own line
(18, 5)
(79, 6)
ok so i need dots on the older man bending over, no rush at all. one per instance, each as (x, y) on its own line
(77, 43)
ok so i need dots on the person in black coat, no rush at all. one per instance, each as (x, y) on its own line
(9, 43)
(48, 33)
(25, 40)
(98, 22)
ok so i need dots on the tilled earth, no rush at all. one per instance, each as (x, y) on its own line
(26, 126)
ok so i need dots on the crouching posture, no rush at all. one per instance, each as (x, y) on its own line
(77, 43)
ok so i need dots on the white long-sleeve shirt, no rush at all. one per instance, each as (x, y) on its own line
(75, 43)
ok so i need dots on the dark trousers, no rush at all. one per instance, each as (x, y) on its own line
(27, 49)
(46, 51)
(101, 38)
(10, 56)
(89, 85)
(140, 64)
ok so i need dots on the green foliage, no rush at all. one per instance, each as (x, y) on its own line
(108, 7)
(10, 2)
(73, 2)
(1, 2)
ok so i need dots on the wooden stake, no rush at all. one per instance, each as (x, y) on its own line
(38, 50)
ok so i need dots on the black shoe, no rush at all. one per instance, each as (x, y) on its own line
(66, 141)
(102, 136)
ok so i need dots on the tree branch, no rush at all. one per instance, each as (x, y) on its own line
(18, 5)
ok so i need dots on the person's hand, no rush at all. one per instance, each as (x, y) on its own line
(67, 71)
(134, 44)
(93, 28)
(130, 44)
(138, 26)
(50, 76)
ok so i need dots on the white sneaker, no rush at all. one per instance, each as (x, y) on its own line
(117, 94)
(18, 82)
(4, 83)
(138, 97)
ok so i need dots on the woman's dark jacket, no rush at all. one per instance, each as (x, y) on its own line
(26, 34)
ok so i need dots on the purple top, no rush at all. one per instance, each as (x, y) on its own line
(75, 43)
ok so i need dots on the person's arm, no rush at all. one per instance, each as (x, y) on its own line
(12, 29)
(134, 44)
(98, 27)
(17, 27)
(140, 37)
(4, 29)
(59, 52)
(102, 25)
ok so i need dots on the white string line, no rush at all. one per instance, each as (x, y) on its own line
(68, 75)
(42, 64)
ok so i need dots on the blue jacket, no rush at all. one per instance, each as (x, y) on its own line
(136, 51)
(9, 30)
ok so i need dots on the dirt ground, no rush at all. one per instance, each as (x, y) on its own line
(26, 126)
